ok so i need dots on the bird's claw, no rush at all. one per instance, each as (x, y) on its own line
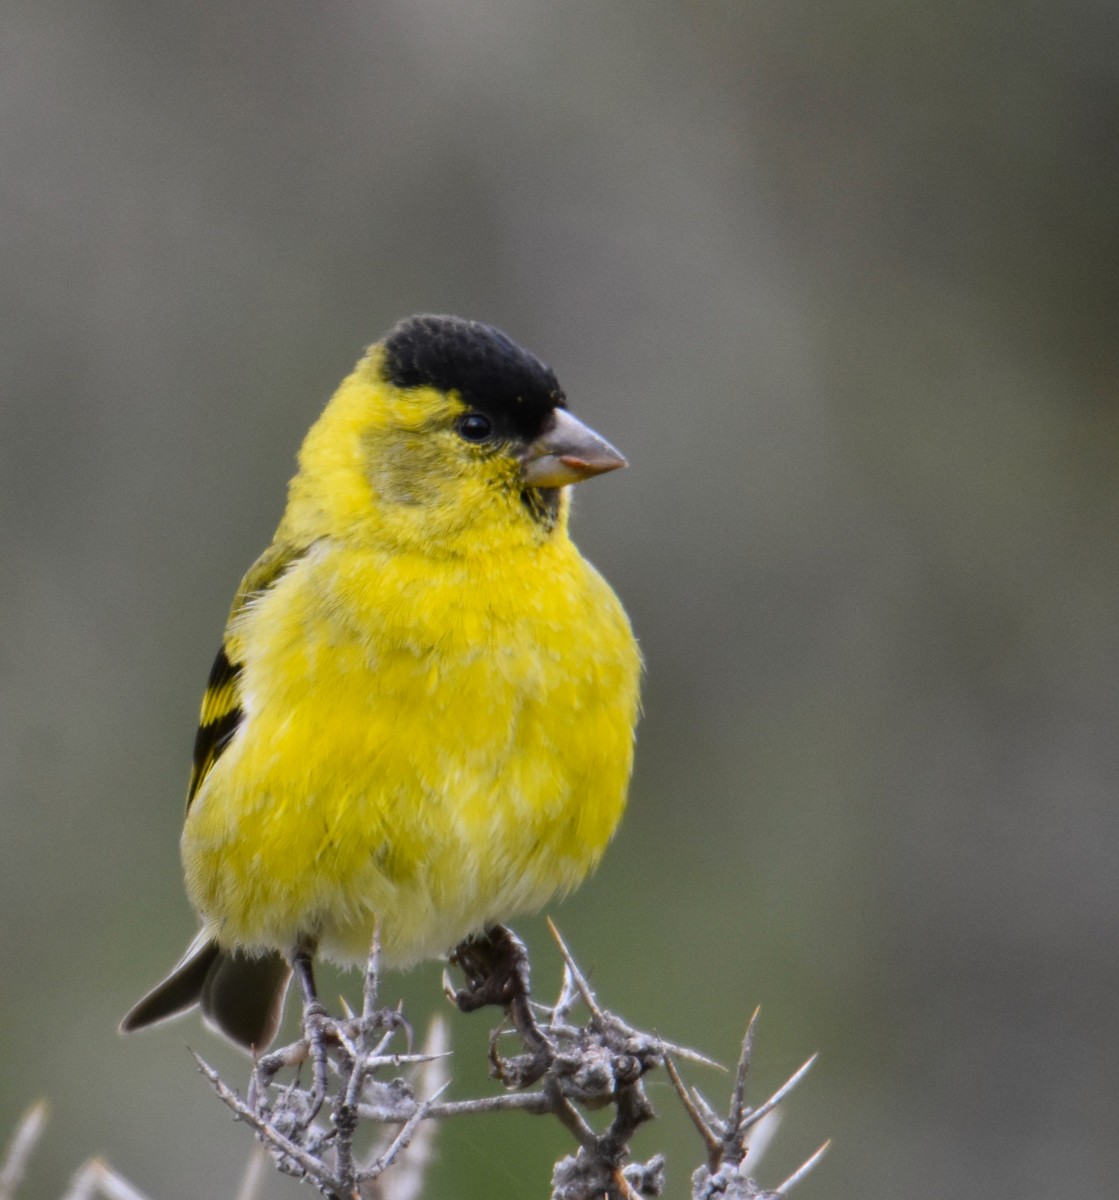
(495, 964)
(496, 967)
(521, 1070)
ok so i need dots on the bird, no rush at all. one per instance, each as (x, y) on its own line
(421, 719)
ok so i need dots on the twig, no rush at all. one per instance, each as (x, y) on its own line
(93, 1177)
(96, 1177)
(406, 1181)
(253, 1178)
(529, 1102)
(313, 1166)
(597, 1065)
(400, 1142)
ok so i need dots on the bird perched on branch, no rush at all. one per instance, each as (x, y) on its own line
(422, 713)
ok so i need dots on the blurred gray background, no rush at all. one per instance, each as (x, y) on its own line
(840, 278)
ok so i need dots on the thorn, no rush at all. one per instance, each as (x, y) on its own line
(803, 1170)
(372, 975)
(689, 1055)
(20, 1148)
(576, 975)
(253, 1179)
(709, 1114)
(738, 1096)
(710, 1138)
(565, 1001)
(754, 1117)
(623, 1185)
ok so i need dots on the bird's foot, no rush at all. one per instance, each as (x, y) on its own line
(495, 963)
(320, 1031)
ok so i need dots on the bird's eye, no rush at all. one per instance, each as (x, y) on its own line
(475, 427)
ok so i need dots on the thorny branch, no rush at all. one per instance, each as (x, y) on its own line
(594, 1066)
(344, 1137)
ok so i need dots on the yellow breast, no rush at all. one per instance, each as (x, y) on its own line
(426, 746)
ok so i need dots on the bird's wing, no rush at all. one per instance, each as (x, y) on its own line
(221, 702)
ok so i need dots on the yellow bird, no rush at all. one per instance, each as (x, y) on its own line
(422, 713)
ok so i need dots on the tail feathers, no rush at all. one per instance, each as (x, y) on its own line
(242, 996)
(180, 991)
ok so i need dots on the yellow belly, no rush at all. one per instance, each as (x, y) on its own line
(427, 749)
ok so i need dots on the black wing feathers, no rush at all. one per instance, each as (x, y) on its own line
(221, 714)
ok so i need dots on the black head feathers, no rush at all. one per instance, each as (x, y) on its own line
(484, 366)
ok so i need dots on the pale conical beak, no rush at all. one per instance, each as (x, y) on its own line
(567, 452)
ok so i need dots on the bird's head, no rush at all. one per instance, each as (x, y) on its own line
(448, 435)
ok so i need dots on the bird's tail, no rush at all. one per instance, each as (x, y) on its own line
(242, 996)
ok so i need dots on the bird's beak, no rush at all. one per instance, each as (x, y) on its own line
(567, 452)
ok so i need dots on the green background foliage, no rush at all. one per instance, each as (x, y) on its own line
(840, 279)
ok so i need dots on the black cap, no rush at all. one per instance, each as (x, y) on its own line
(490, 372)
